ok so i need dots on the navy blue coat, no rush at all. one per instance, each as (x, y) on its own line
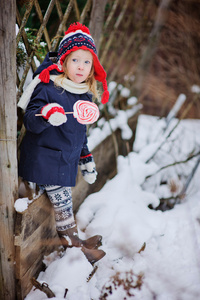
(50, 154)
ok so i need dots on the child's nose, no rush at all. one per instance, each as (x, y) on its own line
(81, 66)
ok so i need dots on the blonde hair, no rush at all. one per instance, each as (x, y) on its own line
(91, 81)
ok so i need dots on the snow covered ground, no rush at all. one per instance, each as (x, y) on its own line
(150, 254)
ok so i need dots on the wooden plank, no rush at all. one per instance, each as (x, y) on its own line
(41, 242)
(8, 160)
(35, 237)
(27, 222)
(23, 284)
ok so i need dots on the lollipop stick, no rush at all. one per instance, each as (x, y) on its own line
(66, 113)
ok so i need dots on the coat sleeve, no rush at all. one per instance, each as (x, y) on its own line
(40, 98)
(85, 151)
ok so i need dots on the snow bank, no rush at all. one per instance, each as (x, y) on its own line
(156, 254)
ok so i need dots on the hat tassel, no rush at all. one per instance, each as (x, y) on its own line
(45, 74)
(105, 95)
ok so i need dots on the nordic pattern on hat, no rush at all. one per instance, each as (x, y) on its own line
(77, 36)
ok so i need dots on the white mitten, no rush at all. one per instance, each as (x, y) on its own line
(54, 113)
(88, 168)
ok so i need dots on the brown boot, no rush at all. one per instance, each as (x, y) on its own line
(70, 238)
(93, 242)
(93, 255)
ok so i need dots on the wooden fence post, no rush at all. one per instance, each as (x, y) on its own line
(8, 158)
(97, 20)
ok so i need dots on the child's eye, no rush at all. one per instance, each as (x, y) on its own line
(87, 62)
(74, 59)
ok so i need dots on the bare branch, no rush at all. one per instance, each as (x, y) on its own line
(174, 164)
(172, 130)
(97, 20)
(149, 52)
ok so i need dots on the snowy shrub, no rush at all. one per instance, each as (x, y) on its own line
(121, 285)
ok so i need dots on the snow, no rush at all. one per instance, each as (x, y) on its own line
(195, 89)
(125, 92)
(104, 128)
(150, 254)
(132, 101)
(74, 260)
(175, 109)
(22, 204)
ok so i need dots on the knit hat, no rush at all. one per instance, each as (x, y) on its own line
(78, 37)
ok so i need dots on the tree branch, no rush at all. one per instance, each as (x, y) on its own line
(151, 48)
(174, 164)
(172, 130)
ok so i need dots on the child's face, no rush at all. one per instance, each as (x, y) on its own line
(79, 65)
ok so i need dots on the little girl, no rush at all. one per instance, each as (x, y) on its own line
(55, 144)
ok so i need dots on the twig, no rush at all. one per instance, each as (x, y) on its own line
(171, 131)
(182, 193)
(65, 294)
(177, 199)
(173, 164)
(92, 273)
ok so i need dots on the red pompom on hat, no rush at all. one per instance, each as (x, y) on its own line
(78, 37)
(77, 26)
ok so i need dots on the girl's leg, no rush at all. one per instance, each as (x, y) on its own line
(61, 199)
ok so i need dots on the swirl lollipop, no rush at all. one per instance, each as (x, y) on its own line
(85, 112)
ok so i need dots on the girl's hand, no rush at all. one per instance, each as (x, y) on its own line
(54, 113)
(88, 170)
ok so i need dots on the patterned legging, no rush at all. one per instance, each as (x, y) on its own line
(61, 199)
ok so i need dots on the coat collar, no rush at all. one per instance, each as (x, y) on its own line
(66, 84)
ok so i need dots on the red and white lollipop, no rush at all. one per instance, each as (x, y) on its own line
(85, 112)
